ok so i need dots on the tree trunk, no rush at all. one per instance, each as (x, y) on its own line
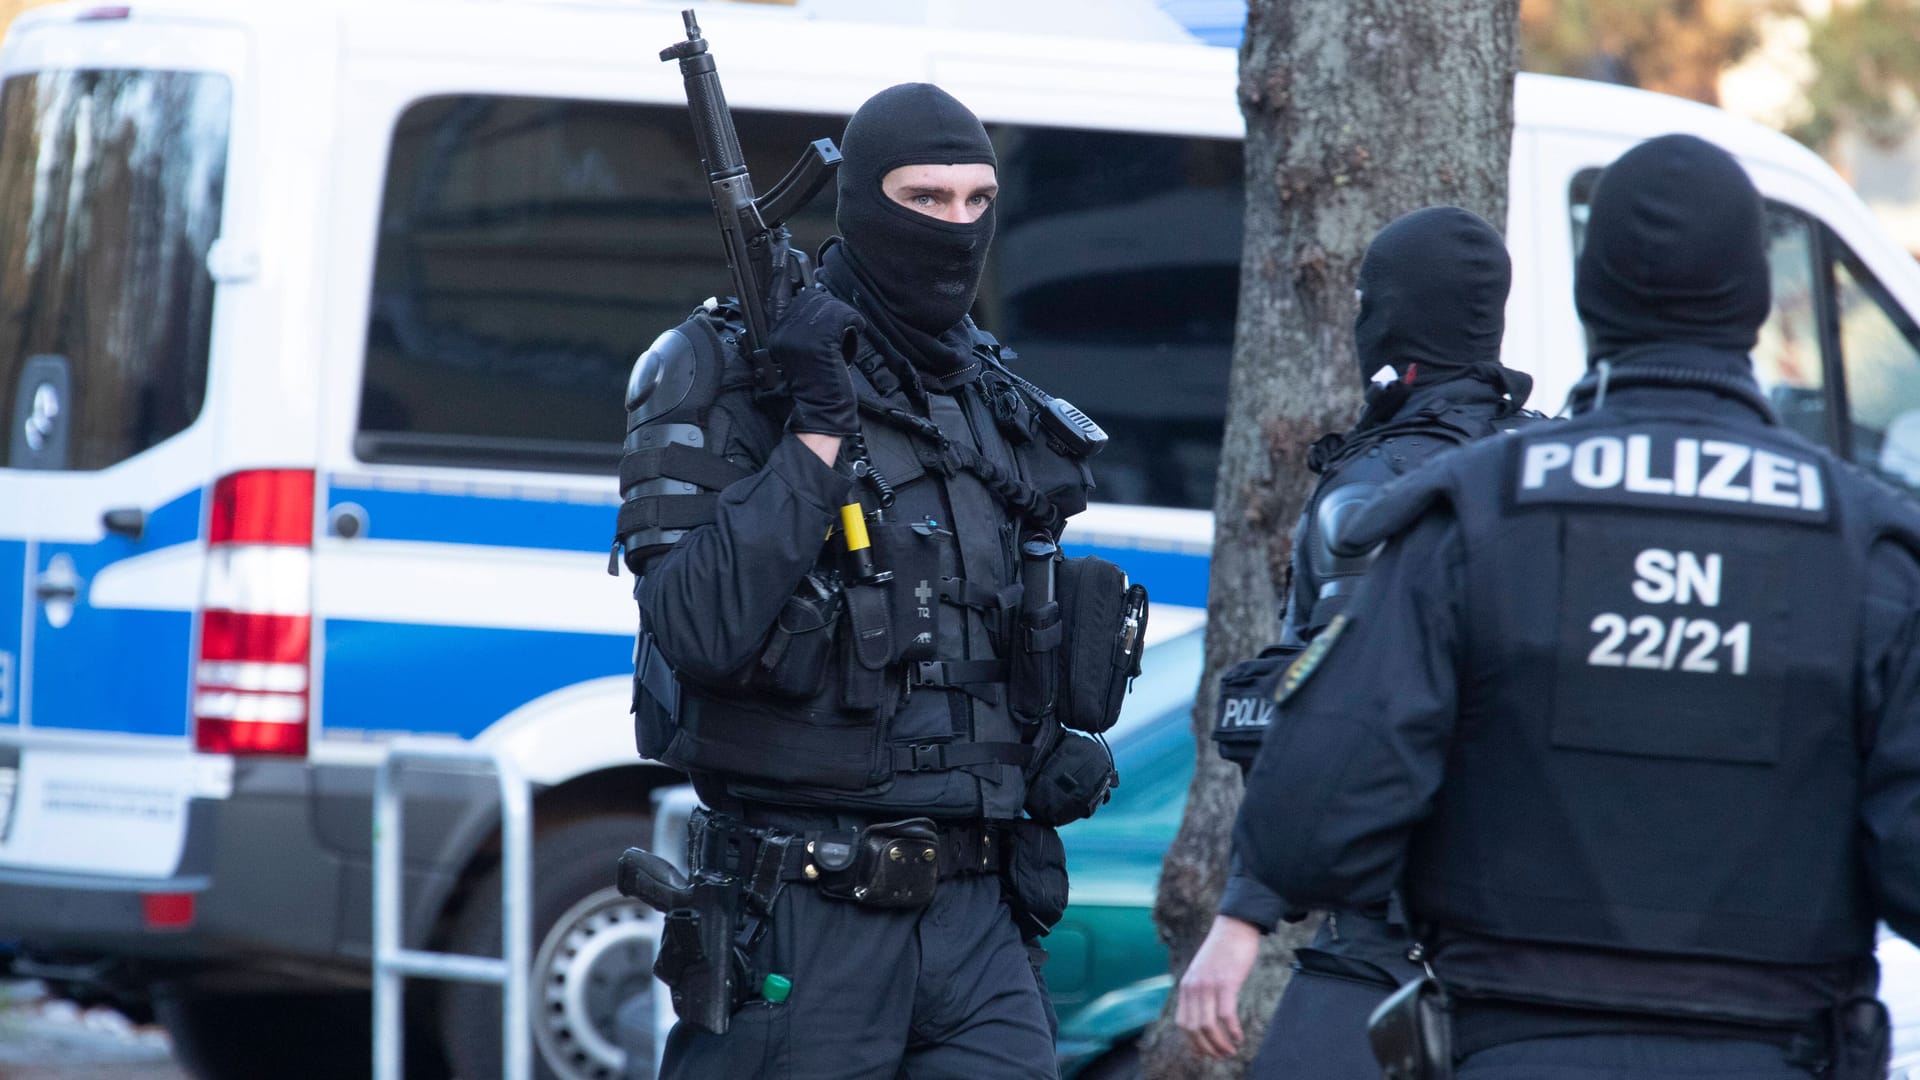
(1356, 112)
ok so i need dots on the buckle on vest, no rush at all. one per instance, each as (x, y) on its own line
(927, 757)
(930, 673)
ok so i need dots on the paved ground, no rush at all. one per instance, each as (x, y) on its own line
(44, 1039)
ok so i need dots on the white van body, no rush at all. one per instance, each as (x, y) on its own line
(378, 498)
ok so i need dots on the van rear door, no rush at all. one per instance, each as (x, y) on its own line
(113, 171)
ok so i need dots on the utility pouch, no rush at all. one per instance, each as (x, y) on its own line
(1034, 672)
(912, 552)
(892, 864)
(1412, 1033)
(795, 660)
(863, 683)
(656, 699)
(1246, 706)
(1105, 629)
(1862, 1040)
(1034, 874)
(1074, 778)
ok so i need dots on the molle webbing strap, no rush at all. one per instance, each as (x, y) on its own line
(664, 512)
(678, 461)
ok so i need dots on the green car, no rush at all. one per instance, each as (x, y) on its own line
(1107, 968)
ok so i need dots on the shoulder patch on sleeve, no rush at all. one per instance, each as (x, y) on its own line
(1308, 661)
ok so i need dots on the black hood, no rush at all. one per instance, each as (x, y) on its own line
(1433, 296)
(924, 270)
(1675, 252)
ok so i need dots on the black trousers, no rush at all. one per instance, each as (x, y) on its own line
(1319, 1030)
(947, 992)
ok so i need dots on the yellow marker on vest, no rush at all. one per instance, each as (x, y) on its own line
(853, 521)
(1308, 662)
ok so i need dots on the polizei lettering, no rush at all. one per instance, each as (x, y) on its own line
(1668, 469)
(1246, 712)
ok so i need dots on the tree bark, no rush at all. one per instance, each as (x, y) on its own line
(1357, 112)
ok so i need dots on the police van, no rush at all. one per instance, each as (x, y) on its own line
(321, 317)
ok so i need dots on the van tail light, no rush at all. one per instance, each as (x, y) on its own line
(250, 691)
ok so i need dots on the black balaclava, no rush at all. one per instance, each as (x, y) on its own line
(921, 270)
(1675, 252)
(1433, 306)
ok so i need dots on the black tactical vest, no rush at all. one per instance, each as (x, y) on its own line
(1656, 749)
(1355, 468)
(893, 696)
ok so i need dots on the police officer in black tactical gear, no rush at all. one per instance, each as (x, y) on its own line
(859, 640)
(1629, 707)
(1433, 292)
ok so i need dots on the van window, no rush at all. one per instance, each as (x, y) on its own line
(530, 248)
(1880, 353)
(1787, 360)
(1116, 269)
(110, 197)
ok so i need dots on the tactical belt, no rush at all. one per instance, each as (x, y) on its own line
(1480, 1024)
(763, 856)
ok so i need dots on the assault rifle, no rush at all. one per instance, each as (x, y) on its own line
(766, 269)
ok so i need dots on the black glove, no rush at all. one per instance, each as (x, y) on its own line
(813, 341)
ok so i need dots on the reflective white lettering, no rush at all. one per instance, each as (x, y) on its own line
(1698, 579)
(1729, 459)
(1543, 458)
(1774, 480)
(1686, 467)
(1655, 569)
(1599, 462)
(1812, 497)
(1639, 477)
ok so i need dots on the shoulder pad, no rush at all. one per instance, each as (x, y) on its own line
(1399, 504)
(678, 377)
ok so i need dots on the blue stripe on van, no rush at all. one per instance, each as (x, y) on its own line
(119, 670)
(13, 594)
(115, 669)
(1171, 577)
(474, 519)
(455, 680)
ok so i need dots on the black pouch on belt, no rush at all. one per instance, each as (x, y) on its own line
(891, 864)
(1075, 776)
(795, 659)
(1034, 873)
(1246, 706)
(1105, 622)
(1862, 1040)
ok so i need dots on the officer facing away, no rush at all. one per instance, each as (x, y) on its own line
(869, 716)
(1433, 291)
(1627, 705)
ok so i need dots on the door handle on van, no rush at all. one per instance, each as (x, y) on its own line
(128, 521)
(57, 589)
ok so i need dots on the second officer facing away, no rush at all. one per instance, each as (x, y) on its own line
(863, 646)
(1629, 706)
(1433, 291)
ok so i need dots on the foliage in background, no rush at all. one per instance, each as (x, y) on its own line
(1866, 64)
(1677, 47)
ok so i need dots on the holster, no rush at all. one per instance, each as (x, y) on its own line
(890, 864)
(697, 960)
(1862, 1040)
(1412, 1033)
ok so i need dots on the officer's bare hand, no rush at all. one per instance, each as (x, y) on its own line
(1208, 1010)
(812, 341)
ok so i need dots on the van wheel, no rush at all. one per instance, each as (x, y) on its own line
(311, 1035)
(593, 954)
